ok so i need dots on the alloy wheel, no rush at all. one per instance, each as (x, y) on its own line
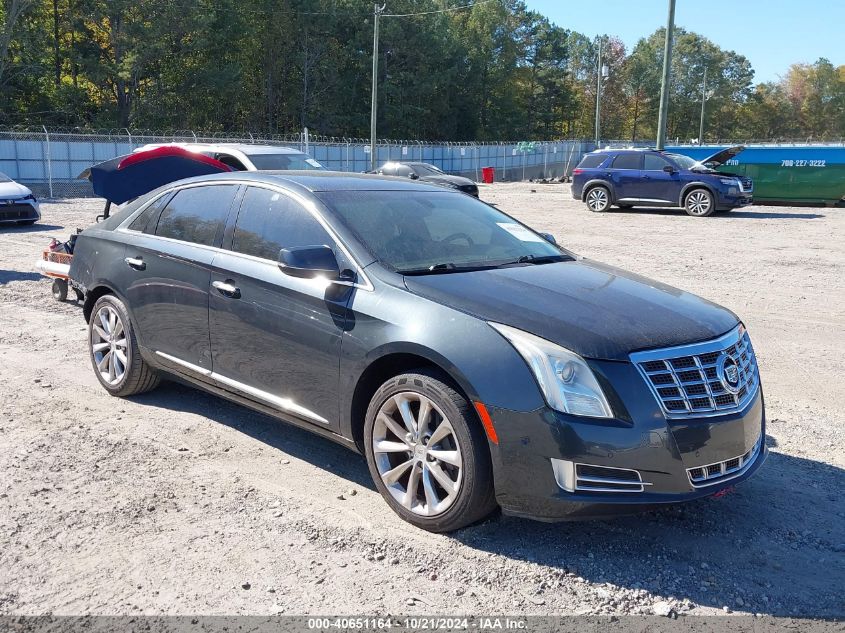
(698, 203)
(417, 454)
(108, 345)
(597, 199)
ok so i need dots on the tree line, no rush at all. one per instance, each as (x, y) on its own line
(494, 71)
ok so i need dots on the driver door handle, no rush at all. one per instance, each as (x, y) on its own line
(135, 262)
(227, 289)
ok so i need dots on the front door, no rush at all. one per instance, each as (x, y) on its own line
(168, 272)
(274, 337)
(656, 183)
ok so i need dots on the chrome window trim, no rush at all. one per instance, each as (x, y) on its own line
(283, 404)
(732, 337)
(309, 206)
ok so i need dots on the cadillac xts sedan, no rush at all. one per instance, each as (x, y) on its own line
(473, 361)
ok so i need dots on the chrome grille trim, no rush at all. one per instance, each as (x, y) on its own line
(718, 472)
(685, 381)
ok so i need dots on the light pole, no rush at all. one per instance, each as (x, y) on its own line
(374, 105)
(703, 99)
(667, 72)
(598, 95)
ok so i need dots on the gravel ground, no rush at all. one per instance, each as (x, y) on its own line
(178, 502)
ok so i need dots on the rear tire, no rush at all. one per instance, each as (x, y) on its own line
(699, 203)
(598, 199)
(114, 350)
(427, 453)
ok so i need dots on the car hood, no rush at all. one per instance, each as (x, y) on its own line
(12, 190)
(595, 310)
(722, 156)
(447, 179)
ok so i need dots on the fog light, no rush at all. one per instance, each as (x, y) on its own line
(564, 474)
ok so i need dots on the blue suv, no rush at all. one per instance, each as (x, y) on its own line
(646, 177)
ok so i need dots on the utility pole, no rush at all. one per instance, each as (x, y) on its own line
(703, 99)
(598, 96)
(374, 106)
(667, 72)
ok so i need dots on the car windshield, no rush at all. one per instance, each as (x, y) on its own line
(424, 169)
(4, 177)
(284, 161)
(421, 232)
(685, 162)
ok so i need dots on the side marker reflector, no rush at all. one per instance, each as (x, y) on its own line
(487, 422)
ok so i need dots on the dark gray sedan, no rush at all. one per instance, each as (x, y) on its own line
(473, 361)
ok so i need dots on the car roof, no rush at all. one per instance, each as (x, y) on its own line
(246, 148)
(318, 181)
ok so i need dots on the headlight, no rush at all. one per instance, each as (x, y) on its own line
(730, 182)
(567, 382)
(29, 197)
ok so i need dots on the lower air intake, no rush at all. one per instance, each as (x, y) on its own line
(574, 477)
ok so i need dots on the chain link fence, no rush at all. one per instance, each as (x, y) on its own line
(50, 161)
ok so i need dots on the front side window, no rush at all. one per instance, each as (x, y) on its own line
(627, 161)
(425, 169)
(196, 214)
(270, 221)
(653, 162)
(416, 232)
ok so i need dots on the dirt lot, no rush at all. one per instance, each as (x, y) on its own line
(178, 502)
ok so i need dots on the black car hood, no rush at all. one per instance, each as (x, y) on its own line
(447, 179)
(722, 156)
(595, 310)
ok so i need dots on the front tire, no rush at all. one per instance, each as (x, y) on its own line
(114, 350)
(699, 203)
(427, 453)
(598, 199)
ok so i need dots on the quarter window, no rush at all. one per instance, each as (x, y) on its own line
(627, 161)
(196, 214)
(652, 162)
(270, 221)
(592, 160)
(143, 219)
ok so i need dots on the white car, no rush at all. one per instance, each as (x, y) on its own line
(246, 157)
(17, 203)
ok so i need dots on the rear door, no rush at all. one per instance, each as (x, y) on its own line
(625, 173)
(274, 337)
(169, 268)
(657, 184)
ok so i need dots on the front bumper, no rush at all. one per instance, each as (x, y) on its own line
(16, 211)
(734, 199)
(661, 451)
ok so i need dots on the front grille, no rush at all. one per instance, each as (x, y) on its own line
(574, 477)
(711, 474)
(746, 185)
(691, 380)
(11, 212)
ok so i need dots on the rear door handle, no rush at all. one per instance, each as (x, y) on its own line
(227, 289)
(135, 262)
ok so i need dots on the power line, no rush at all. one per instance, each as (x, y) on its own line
(408, 15)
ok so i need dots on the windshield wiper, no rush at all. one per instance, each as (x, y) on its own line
(536, 259)
(446, 267)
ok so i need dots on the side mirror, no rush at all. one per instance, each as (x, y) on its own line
(669, 169)
(413, 176)
(308, 262)
(549, 238)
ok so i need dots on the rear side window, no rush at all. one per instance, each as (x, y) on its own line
(653, 162)
(197, 214)
(270, 221)
(627, 161)
(142, 219)
(592, 160)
